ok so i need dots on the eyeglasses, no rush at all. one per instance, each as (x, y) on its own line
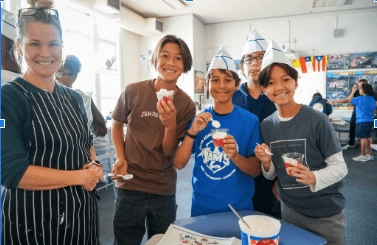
(250, 59)
(33, 11)
(59, 74)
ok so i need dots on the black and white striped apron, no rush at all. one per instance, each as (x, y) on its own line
(67, 215)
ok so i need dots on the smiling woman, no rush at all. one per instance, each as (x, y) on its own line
(48, 196)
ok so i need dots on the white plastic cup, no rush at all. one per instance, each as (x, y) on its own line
(264, 230)
(292, 159)
(218, 135)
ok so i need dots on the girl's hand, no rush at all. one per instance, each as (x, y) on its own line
(261, 154)
(303, 174)
(230, 147)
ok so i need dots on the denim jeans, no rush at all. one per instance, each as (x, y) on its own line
(137, 211)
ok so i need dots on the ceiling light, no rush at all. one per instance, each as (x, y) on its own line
(175, 4)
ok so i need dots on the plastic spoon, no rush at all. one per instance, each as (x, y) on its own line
(267, 152)
(238, 215)
(215, 123)
(125, 177)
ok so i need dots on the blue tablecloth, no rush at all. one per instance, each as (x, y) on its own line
(226, 225)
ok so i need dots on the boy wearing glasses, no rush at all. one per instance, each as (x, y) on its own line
(250, 97)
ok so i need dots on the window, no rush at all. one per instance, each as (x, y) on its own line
(93, 40)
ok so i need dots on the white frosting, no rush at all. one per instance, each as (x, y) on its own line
(163, 92)
(219, 134)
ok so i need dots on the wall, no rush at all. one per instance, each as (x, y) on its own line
(131, 65)
(310, 35)
(199, 54)
(182, 27)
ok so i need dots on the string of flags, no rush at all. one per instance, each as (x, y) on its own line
(314, 63)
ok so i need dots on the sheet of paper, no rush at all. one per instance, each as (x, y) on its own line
(177, 235)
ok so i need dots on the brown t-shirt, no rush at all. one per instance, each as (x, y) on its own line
(153, 173)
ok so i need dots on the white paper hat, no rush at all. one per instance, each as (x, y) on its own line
(222, 60)
(8, 24)
(274, 54)
(254, 43)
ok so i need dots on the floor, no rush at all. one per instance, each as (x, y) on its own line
(360, 191)
(106, 204)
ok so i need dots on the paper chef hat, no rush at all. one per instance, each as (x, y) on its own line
(8, 24)
(222, 60)
(274, 54)
(254, 43)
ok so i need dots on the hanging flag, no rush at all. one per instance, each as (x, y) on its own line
(296, 63)
(319, 63)
(306, 64)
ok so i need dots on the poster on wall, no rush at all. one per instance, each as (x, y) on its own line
(339, 84)
(337, 87)
(338, 61)
(199, 82)
(363, 60)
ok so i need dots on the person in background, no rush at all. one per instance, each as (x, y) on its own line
(307, 156)
(153, 131)
(9, 66)
(250, 96)
(352, 134)
(365, 105)
(67, 75)
(100, 136)
(48, 162)
(228, 177)
(320, 104)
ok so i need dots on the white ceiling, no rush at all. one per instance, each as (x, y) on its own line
(217, 11)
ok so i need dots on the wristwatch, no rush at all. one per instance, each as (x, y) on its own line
(94, 162)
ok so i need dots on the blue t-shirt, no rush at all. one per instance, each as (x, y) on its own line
(216, 180)
(262, 107)
(365, 105)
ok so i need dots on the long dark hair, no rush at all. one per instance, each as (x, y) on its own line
(186, 54)
(99, 124)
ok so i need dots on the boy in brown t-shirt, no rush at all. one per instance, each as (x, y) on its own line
(153, 130)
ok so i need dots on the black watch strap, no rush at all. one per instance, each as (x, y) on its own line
(190, 135)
